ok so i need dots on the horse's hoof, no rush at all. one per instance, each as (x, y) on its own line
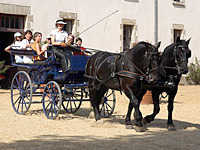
(129, 126)
(144, 122)
(171, 128)
(91, 115)
(139, 129)
(100, 122)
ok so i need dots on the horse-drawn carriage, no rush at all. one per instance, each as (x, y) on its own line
(132, 72)
(55, 88)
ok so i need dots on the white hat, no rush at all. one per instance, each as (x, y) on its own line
(48, 36)
(17, 34)
(60, 22)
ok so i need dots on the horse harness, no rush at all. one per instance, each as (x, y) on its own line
(118, 75)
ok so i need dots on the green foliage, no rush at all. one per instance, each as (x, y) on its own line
(3, 68)
(194, 72)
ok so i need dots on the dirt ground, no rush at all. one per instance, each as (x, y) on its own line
(72, 132)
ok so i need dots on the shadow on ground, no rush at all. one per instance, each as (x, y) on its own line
(183, 140)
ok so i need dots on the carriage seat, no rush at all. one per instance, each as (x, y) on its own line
(21, 52)
(24, 52)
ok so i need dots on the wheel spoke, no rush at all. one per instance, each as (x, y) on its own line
(71, 106)
(52, 111)
(108, 105)
(17, 100)
(17, 83)
(75, 104)
(47, 106)
(22, 105)
(49, 110)
(27, 85)
(18, 105)
(109, 94)
(102, 107)
(25, 105)
(55, 111)
(107, 109)
(16, 94)
(67, 104)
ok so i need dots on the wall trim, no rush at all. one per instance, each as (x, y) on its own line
(177, 27)
(14, 9)
(127, 21)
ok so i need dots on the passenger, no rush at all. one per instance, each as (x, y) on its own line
(26, 44)
(70, 40)
(46, 45)
(17, 44)
(79, 42)
(59, 36)
(79, 45)
(36, 46)
(59, 40)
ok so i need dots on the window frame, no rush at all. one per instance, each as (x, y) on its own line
(8, 22)
(179, 3)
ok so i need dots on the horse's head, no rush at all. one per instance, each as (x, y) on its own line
(152, 63)
(181, 55)
(148, 60)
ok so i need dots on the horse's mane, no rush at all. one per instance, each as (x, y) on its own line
(168, 50)
(141, 45)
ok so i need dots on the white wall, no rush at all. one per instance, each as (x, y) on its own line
(106, 34)
(170, 14)
(17, 2)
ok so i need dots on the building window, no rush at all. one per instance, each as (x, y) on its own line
(69, 26)
(127, 36)
(131, 0)
(179, 2)
(12, 21)
(177, 33)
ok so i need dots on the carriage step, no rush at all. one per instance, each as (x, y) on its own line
(79, 85)
(38, 94)
(72, 100)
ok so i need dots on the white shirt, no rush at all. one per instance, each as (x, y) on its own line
(59, 36)
(17, 45)
(27, 59)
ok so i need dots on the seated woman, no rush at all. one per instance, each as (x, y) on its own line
(17, 44)
(59, 40)
(36, 46)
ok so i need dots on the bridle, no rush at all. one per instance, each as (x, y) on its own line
(178, 61)
(149, 68)
(141, 74)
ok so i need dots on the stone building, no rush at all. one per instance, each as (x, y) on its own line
(112, 25)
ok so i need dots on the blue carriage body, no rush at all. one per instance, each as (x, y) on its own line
(45, 79)
(40, 75)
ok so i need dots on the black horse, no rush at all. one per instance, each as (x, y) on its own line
(125, 72)
(173, 64)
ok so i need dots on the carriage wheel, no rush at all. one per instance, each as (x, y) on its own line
(73, 100)
(51, 100)
(163, 97)
(107, 105)
(21, 92)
